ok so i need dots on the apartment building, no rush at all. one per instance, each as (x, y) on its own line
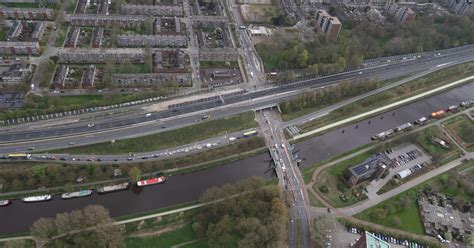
(168, 61)
(151, 40)
(19, 48)
(27, 13)
(154, 10)
(328, 24)
(401, 14)
(100, 55)
(105, 20)
(459, 7)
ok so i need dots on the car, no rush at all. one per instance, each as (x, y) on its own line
(91, 125)
(129, 159)
(72, 143)
(31, 148)
(62, 159)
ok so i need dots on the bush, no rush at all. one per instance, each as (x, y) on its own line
(324, 189)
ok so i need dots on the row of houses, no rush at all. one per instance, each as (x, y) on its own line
(148, 80)
(30, 1)
(151, 40)
(19, 48)
(18, 27)
(27, 13)
(87, 80)
(218, 54)
(401, 14)
(155, 10)
(100, 56)
(106, 20)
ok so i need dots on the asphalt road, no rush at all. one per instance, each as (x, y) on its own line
(289, 177)
(231, 105)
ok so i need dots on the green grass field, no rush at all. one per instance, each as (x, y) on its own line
(410, 219)
(61, 36)
(463, 129)
(173, 138)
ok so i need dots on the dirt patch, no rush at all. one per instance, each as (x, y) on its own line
(261, 13)
(156, 232)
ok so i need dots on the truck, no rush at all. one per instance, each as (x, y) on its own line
(403, 127)
(421, 121)
(438, 114)
(383, 134)
(453, 108)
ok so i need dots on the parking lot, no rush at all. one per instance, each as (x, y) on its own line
(404, 156)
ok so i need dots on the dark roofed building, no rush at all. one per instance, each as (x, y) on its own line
(371, 168)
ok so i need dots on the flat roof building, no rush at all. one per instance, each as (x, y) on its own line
(369, 240)
(371, 168)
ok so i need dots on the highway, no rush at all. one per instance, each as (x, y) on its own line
(186, 115)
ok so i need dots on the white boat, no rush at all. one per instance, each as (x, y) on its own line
(37, 198)
(4, 203)
(76, 194)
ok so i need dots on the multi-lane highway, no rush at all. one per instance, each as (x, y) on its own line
(228, 105)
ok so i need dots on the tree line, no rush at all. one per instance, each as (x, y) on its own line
(254, 219)
(363, 40)
(327, 96)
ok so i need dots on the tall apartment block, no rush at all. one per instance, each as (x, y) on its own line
(330, 25)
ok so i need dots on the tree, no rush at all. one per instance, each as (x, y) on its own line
(44, 228)
(148, 60)
(134, 174)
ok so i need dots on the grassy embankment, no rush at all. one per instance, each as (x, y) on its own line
(173, 138)
(310, 108)
(398, 93)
